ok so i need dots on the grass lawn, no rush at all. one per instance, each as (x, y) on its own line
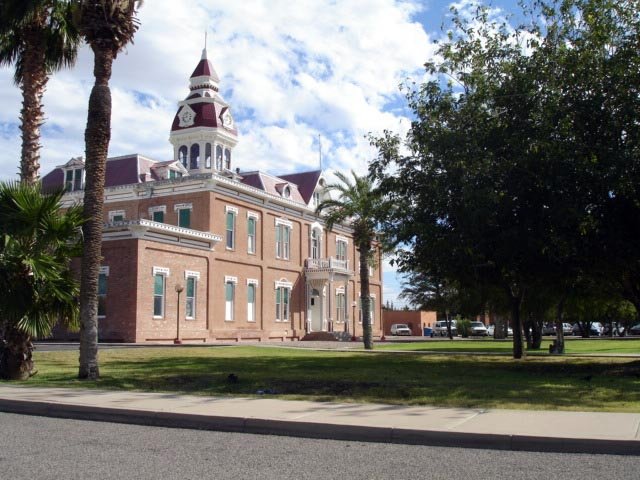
(489, 345)
(566, 383)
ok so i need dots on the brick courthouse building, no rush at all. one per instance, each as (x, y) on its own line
(246, 248)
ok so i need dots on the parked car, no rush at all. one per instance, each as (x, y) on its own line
(635, 330)
(618, 329)
(567, 328)
(491, 329)
(400, 329)
(594, 330)
(440, 328)
(478, 329)
(548, 329)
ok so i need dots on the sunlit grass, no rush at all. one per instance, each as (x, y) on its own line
(489, 345)
(565, 383)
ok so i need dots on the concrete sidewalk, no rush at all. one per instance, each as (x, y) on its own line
(578, 432)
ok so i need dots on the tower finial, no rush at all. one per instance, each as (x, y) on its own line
(204, 50)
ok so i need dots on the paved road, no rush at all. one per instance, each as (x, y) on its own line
(47, 448)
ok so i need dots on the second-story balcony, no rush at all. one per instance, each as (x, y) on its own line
(326, 267)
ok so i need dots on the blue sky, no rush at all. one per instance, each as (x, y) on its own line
(289, 70)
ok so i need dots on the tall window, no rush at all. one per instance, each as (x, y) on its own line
(282, 304)
(207, 155)
(315, 243)
(182, 155)
(251, 302)
(231, 229)
(158, 294)
(283, 240)
(229, 298)
(227, 159)
(102, 292)
(191, 298)
(218, 157)
(158, 216)
(251, 235)
(184, 217)
(195, 156)
(340, 307)
(341, 250)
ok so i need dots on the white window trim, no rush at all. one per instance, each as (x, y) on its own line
(165, 272)
(229, 208)
(255, 215)
(285, 222)
(233, 281)
(158, 208)
(339, 290)
(252, 281)
(283, 283)
(340, 238)
(182, 206)
(113, 213)
(230, 279)
(189, 273)
(162, 270)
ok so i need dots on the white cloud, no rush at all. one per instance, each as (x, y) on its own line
(289, 71)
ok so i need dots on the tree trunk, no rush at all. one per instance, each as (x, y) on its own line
(558, 344)
(526, 327)
(536, 334)
(515, 299)
(449, 331)
(97, 136)
(33, 85)
(500, 327)
(16, 362)
(365, 299)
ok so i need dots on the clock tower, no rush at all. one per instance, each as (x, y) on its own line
(203, 132)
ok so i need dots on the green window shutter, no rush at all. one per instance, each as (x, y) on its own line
(185, 218)
(158, 216)
(252, 226)
(191, 284)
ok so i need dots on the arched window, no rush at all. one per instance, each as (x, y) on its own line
(218, 157)
(195, 156)
(182, 155)
(227, 159)
(207, 155)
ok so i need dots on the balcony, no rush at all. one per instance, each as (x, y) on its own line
(324, 268)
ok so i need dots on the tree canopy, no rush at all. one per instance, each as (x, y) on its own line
(522, 153)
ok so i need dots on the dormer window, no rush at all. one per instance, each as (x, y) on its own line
(74, 174)
(286, 192)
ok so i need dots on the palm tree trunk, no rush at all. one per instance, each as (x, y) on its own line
(97, 136)
(33, 85)
(365, 299)
(16, 362)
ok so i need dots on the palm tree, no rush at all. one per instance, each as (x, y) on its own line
(107, 26)
(39, 38)
(37, 242)
(358, 204)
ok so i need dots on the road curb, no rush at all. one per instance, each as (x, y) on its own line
(322, 430)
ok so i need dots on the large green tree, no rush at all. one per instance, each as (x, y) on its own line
(517, 152)
(37, 242)
(357, 204)
(38, 37)
(107, 26)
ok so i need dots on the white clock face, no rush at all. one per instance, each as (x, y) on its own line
(227, 119)
(187, 117)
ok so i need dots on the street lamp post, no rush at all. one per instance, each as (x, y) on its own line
(179, 289)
